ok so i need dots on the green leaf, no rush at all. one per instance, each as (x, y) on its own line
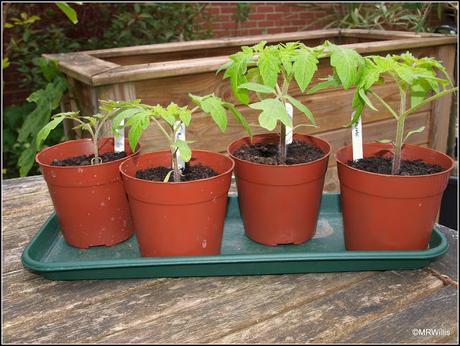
(272, 111)
(418, 92)
(330, 82)
(123, 115)
(258, 88)
(364, 97)
(268, 64)
(346, 62)
(68, 11)
(138, 122)
(185, 151)
(5, 63)
(45, 131)
(239, 117)
(305, 66)
(358, 106)
(26, 161)
(301, 107)
(213, 106)
(410, 133)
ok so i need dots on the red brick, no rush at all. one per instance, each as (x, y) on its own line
(228, 9)
(256, 16)
(264, 9)
(229, 25)
(255, 31)
(266, 23)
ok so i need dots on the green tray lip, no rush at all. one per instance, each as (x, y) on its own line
(38, 266)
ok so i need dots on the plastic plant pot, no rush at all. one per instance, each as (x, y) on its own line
(178, 218)
(280, 204)
(90, 201)
(390, 212)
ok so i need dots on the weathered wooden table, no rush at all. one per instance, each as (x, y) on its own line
(391, 306)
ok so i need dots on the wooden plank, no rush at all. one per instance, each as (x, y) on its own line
(384, 34)
(192, 66)
(213, 43)
(81, 66)
(165, 312)
(337, 315)
(434, 313)
(439, 132)
(447, 264)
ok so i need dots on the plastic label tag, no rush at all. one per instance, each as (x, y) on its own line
(180, 134)
(290, 112)
(357, 139)
(119, 139)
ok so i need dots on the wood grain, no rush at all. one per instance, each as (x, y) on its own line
(330, 307)
(441, 108)
(333, 316)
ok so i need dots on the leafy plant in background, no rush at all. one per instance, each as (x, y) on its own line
(379, 16)
(28, 34)
(169, 121)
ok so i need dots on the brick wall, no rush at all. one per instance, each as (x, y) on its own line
(264, 18)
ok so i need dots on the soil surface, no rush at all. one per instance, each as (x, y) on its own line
(189, 173)
(268, 154)
(382, 165)
(85, 160)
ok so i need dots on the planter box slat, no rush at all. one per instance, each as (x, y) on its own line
(179, 68)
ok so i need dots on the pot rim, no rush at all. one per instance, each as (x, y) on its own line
(444, 171)
(176, 182)
(81, 167)
(325, 156)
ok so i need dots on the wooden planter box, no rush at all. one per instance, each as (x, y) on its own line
(161, 73)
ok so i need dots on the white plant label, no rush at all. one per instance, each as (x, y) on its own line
(180, 134)
(290, 112)
(357, 139)
(119, 139)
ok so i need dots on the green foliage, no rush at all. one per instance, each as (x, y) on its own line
(169, 119)
(34, 29)
(260, 69)
(46, 101)
(409, 16)
(242, 12)
(68, 11)
(416, 79)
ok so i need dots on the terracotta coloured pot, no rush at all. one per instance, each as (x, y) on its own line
(90, 201)
(183, 218)
(280, 204)
(390, 212)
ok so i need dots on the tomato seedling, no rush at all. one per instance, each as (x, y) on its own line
(92, 124)
(416, 79)
(169, 120)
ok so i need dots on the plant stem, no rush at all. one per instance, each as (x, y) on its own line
(386, 105)
(175, 158)
(282, 143)
(396, 164)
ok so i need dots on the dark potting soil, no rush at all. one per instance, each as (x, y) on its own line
(268, 154)
(382, 165)
(85, 160)
(189, 173)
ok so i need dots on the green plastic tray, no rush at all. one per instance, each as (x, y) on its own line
(49, 255)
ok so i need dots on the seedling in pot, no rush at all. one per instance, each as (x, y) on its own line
(172, 122)
(415, 78)
(92, 124)
(268, 71)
